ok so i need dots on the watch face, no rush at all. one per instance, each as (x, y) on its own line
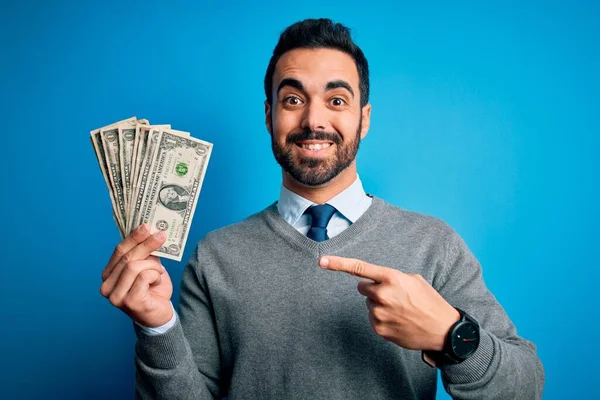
(465, 339)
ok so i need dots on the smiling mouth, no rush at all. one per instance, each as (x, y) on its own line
(313, 145)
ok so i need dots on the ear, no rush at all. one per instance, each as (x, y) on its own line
(268, 117)
(366, 120)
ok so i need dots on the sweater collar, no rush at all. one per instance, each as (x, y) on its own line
(368, 221)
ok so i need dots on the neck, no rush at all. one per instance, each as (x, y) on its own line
(322, 194)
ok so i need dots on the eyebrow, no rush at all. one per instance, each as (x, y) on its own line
(296, 84)
(339, 84)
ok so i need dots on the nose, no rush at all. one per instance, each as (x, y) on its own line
(315, 117)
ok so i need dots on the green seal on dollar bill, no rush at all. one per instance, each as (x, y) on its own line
(181, 169)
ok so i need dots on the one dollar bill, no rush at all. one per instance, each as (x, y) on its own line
(178, 168)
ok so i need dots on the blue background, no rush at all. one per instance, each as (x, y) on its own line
(483, 115)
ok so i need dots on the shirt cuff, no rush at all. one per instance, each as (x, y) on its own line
(159, 330)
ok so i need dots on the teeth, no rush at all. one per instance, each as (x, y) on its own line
(316, 147)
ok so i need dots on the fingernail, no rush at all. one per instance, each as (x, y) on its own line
(160, 235)
(324, 262)
(142, 228)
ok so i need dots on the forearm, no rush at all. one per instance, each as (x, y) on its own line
(165, 368)
(499, 369)
(505, 365)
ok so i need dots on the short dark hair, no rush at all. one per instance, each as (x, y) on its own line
(314, 34)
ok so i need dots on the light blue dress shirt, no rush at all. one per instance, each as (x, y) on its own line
(350, 204)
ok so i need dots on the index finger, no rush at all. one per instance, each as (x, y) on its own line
(136, 237)
(355, 267)
(140, 252)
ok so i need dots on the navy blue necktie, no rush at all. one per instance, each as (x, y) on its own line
(321, 215)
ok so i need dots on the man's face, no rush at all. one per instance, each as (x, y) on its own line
(170, 195)
(315, 121)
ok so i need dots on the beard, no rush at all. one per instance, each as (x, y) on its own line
(315, 171)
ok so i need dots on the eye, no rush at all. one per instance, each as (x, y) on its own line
(337, 102)
(292, 100)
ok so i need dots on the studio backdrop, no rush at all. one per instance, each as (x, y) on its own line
(484, 115)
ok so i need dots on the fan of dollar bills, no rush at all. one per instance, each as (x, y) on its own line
(154, 175)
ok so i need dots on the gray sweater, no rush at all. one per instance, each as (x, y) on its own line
(259, 319)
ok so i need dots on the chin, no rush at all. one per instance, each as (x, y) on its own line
(322, 180)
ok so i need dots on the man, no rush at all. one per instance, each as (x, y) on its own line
(174, 197)
(273, 307)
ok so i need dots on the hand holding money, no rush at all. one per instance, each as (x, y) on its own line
(154, 175)
(136, 282)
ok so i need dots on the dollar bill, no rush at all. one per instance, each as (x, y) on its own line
(152, 177)
(179, 166)
(101, 157)
(110, 142)
(136, 145)
(139, 151)
(143, 176)
(151, 155)
(141, 154)
(126, 137)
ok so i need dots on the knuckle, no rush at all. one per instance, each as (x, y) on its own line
(127, 258)
(377, 314)
(395, 275)
(379, 297)
(358, 267)
(379, 329)
(115, 300)
(147, 276)
(384, 331)
(120, 249)
(151, 242)
(104, 290)
(416, 277)
(382, 300)
(147, 245)
(131, 267)
(136, 235)
(361, 287)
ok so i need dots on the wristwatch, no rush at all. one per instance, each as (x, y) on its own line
(461, 342)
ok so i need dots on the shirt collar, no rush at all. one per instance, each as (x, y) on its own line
(292, 206)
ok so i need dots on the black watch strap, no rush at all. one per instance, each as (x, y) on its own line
(446, 356)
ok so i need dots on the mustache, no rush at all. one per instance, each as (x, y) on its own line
(313, 135)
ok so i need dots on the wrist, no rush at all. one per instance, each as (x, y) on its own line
(446, 323)
(461, 341)
(157, 319)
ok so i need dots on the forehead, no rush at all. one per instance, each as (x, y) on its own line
(316, 67)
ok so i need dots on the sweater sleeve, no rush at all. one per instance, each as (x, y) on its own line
(505, 366)
(183, 362)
